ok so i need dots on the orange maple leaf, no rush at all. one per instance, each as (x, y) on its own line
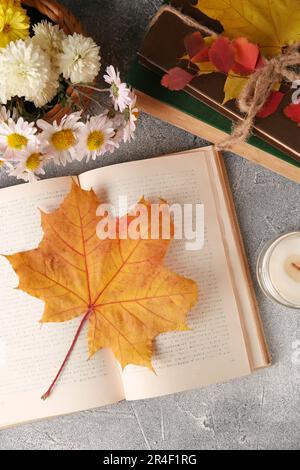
(120, 286)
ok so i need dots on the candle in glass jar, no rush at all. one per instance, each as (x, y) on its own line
(279, 270)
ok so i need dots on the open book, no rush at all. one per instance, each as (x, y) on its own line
(226, 340)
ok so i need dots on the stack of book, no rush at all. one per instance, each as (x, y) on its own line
(198, 109)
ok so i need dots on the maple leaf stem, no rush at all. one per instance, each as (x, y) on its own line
(83, 322)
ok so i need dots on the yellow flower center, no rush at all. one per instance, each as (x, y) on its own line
(17, 141)
(95, 141)
(115, 90)
(33, 161)
(63, 140)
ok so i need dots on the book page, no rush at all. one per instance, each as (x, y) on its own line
(215, 350)
(31, 353)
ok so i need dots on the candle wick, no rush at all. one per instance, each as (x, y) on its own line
(296, 266)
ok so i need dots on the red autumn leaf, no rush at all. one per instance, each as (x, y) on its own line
(196, 47)
(176, 79)
(246, 56)
(292, 111)
(260, 62)
(272, 104)
(221, 54)
(202, 56)
(194, 43)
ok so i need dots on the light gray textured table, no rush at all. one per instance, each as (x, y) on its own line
(259, 412)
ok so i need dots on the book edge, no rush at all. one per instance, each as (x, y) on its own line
(244, 262)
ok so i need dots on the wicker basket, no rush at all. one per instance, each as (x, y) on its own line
(60, 15)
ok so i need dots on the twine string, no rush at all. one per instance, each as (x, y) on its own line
(258, 89)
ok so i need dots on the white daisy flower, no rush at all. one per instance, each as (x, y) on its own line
(15, 137)
(131, 114)
(80, 59)
(25, 70)
(97, 137)
(5, 114)
(61, 140)
(49, 37)
(117, 120)
(4, 163)
(30, 164)
(119, 91)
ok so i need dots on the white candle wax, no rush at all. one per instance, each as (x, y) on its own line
(284, 268)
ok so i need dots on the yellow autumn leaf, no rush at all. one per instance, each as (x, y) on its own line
(209, 40)
(120, 288)
(233, 87)
(272, 24)
(206, 67)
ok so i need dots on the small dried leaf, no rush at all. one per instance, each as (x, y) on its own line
(206, 68)
(194, 43)
(246, 56)
(233, 87)
(202, 56)
(272, 104)
(221, 54)
(176, 79)
(292, 111)
(261, 62)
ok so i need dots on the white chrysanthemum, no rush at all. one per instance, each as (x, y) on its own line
(80, 59)
(3, 93)
(49, 91)
(49, 37)
(30, 164)
(25, 70)
(119, 92)
(4, 96)
(97, 137)
(61, 140)
(15, 137)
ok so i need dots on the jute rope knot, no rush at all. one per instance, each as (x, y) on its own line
(257, 91)
(260, 84)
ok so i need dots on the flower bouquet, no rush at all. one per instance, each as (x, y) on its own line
(48, 73)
